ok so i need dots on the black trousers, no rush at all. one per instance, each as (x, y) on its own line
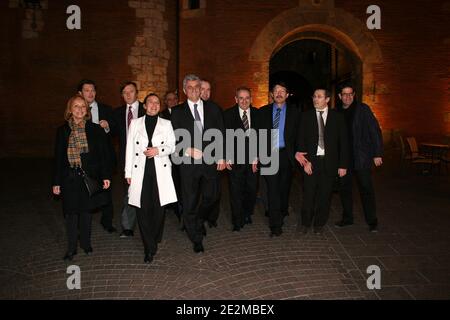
(317, 191)
(150, 215)
(199, 193)
(367, 193)
(177, 207)
(107, 211)
(213, 215)
(78, 221)
(242, 184)
(278, 188)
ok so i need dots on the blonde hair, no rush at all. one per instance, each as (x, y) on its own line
(68, 112)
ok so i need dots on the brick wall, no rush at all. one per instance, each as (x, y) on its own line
(409, 89)
(40, 73)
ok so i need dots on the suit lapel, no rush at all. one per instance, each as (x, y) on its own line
(238, 119)
(287, 122)
(206, 116)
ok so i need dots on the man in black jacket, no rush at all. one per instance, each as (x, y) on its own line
(366, 150)
(285, 119)
(123, 115)
(102, 115)
(242, 119)
(323, 153)
(198, 176)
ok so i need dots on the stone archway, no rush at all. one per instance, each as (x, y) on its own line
(315, 19)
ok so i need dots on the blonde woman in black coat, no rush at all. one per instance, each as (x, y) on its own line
(81, 146)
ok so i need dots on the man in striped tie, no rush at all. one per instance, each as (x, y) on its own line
(284, 121)
(241, 163)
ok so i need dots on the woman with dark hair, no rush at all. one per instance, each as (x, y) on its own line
(81, 148)
(151, 140)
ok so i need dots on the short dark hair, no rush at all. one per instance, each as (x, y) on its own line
(327, 91)
(346, 85)
(85, 81)
(151, 95)
(281, 84)
(243, 88)
(127, 84)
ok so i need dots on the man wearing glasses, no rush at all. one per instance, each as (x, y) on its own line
(366, 150)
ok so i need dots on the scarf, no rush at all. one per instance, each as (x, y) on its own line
(77, 143)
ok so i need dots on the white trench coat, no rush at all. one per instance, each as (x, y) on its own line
(164, 139)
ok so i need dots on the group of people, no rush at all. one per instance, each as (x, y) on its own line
(326, 144)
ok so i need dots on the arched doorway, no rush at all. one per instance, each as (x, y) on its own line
(306, 64)
(319, 20)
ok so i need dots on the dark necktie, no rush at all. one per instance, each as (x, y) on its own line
(276, 124)
(129, 116)
(321, 131)
(198, 121)
(245, 120)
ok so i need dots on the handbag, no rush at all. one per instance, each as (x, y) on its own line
(93, 186)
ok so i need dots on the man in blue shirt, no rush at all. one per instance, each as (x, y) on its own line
(285, 119)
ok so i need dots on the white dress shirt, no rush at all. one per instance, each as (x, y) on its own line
(94, 112)
(200, 110)
(320, 151)
(95, 117)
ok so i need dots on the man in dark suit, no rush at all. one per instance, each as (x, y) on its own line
(365, 151)
(198, 178)
(323, 153)
(205, 95)
(170, 101)
(102, 115)
(123, 115)
(285, 120)
(242, 165)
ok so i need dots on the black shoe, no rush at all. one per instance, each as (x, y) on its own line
(69, 256)
(318, 230)
(127, 234)
(236, 228)
(373, 228)
(248, 220)
(148, 258)
(88, 251)
(109, 229)
(342, 224)
(212, 224)
(198, 247)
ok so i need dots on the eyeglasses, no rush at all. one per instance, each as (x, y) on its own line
(348, 94)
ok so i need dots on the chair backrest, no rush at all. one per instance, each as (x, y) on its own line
(413, 145)
(402, 146)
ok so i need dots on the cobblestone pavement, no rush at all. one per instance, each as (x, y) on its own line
(411, 248)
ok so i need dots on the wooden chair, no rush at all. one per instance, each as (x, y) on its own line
(419, 159)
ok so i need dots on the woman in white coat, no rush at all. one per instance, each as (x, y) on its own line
(148, 172)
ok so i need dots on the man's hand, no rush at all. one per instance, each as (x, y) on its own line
(255, 165)
(104, 124)
(194, 153)
(230, 165)
(300, 157)
(378, 161)
(308, 168)
(221, 165)
(342, 172)
(106, 184)
(56, 190)
(151, 152)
